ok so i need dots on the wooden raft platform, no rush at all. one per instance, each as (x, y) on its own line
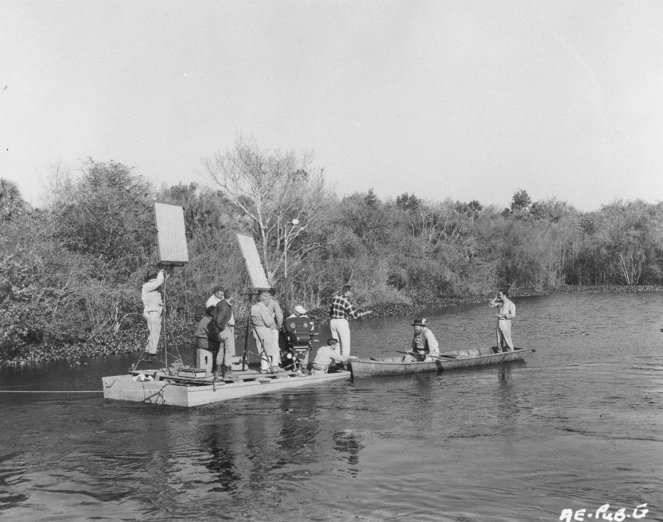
(158, 387)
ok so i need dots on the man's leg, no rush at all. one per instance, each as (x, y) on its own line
(498, 334)
(333, 326)
(261, 348)
(228, 346)
(275, 345)
(505, 327)
(154, 328)
(344, 337)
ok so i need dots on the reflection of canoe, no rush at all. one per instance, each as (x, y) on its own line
(389, 366)
(446, 361)
(161, 388)
(477, 357)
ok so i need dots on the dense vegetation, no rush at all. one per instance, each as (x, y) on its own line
(70, 273)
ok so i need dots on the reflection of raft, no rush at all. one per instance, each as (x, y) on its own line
(446, 361)
(159, 387)
(477, 357)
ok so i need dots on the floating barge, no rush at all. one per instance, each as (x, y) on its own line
(160, 387)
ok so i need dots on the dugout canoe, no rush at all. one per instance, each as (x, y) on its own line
(389, 366)
(445, 362)
(160, 387)
(477, 357)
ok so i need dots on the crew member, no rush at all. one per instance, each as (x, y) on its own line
(153, 308)
(506, 311)
(341, 308)
(326, 355)
(225, 322)
(263, 323)
(278, 321)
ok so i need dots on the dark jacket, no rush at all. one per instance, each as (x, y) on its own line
(223, 314)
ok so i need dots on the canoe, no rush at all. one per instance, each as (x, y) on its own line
(477, 357)
(389, 366)
(446, 361)
(160, 387)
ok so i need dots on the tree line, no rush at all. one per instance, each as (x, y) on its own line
(71, 272)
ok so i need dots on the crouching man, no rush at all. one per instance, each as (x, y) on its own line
(326, 356)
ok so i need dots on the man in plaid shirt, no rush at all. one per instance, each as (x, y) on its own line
(341, 308)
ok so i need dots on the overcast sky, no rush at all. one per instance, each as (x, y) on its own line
(444, 99)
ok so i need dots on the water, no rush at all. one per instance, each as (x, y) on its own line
(576, 426)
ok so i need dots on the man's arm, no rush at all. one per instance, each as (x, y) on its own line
(155, 283)
(433, 346)
(279, 315)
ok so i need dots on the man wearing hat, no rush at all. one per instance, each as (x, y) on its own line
(326, 356)
(424, 343)
(153, 307)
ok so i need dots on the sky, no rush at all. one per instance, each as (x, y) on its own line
(468, 100)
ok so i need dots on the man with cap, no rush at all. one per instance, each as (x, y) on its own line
(263, 323)
(424, 343)
(340, 310)
(326, 356)
(153, 307)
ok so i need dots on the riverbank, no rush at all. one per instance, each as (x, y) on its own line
(132, 341)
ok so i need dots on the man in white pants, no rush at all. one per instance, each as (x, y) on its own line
(341, 308)
(262, 321)
(506, 312)
(152, 308)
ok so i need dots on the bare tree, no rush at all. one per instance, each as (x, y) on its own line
(276, 192)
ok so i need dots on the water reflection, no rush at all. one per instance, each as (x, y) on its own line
(349, 445)
(222, 460)
(507, 406)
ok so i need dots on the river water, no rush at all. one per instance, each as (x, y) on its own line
(576, 426)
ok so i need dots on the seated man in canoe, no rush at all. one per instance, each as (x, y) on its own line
(424, 344)
(326, 356)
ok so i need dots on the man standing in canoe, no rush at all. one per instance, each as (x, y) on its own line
(424, 343)
(506, 311)
(341, 308)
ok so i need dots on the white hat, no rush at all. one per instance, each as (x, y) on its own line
(300, 309)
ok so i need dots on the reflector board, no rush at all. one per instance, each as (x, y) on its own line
(171, 235)
(253, 264)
